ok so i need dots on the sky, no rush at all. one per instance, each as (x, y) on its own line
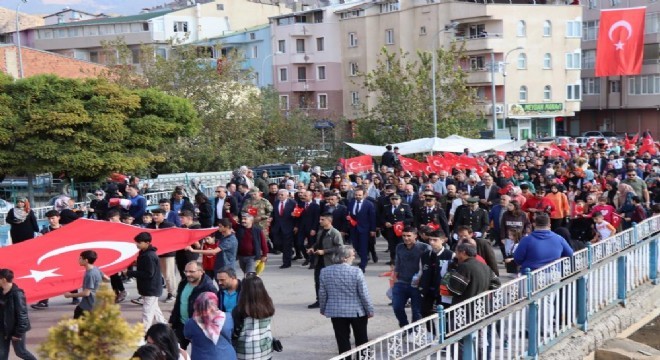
(45, 7)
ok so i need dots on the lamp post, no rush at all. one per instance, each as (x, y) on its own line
(449, 27)
(18, 40)
(506, 111)
(263, 63)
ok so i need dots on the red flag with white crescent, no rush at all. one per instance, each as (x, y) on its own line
(648, 145)
(506, 170)
(411, 165)
(553, 152)
(47, 265)
(358, 164)
(620, 46)
(438, 163)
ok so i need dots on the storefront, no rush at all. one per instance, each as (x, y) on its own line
(531, 121)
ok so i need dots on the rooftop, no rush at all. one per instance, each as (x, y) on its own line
(110, 20)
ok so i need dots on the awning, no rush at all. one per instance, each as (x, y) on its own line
(453, 143)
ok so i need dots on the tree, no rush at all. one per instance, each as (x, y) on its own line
(86, 128)
(101, 334)
(403, 108)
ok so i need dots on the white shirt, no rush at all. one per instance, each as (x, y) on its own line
(219, 208)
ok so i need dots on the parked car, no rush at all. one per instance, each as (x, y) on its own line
(603, 134)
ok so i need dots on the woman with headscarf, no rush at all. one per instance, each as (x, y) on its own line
(22, 221)
(209, 330)
(626, 205)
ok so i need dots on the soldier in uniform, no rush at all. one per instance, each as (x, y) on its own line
(264, 208)
(431, 212)
(396, 211)
(473, 216)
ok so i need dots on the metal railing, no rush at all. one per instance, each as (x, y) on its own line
(531, 312)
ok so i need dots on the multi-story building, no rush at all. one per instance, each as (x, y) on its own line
(621, 103)
(84, 39)
(537, 44)
(307, 62)
(68, 15)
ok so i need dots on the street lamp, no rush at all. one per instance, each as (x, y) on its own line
(505, 113)
(263, 63)
(448, 28)
(18, 40)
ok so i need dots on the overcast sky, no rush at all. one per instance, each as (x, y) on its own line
(45, 7)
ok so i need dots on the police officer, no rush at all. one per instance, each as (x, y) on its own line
(396, 211)
(473, 216)
(431, 212)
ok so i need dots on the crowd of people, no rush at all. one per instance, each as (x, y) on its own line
(442, 230)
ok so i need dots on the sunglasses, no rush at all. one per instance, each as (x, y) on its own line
(98, 194)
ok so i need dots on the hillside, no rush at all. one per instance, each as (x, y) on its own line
(8, 20)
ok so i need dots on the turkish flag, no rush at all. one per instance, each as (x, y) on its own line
(413, 165)
(506, 170)
(47, 265)
(438, 163)
(252, 211)
(553, 151)
(620, 42)
(358, 164)
(297, 211)
(648, 145)
(398, 228)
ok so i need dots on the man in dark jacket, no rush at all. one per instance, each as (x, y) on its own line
(167, 261)
(196, 283)
(471, 278)
(14, 315)
(148, 278)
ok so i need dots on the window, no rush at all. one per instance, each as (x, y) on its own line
(302, 102)
(522, 93)
(547, 28)
(422, 30)
(320, 72)
(389, 36)
(588, 59)
(573, 92)
(281, 46)
(284, 102)
(302, 74)
(521, 29)
(522, 61)
(644, 85)
(300, 45)
(547, 93)
(593, 4)
(615, 86)
(590, 30)
(352, 69)
(255, 52)
(574, 28)
(352, 39)
(547, 61)
(145, 26)
(135, 56)
(652, 23)
(284, 75)
(477, 63)
(476, 31)
(355, 98)
(74, 31)
(318, 17)
(94, 56)
(389, 7)
(615, 3)
(481, 93)
(91, 30)
(256, 78)
(573, 60)
(591, 86)
(220, 7)
(322, 101)
(180, 26)
(320, 44)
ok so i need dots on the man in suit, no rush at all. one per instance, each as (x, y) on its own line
(598, 164)
(431, 212)
(308, 225)
(223, 204)
(282, 226)
(488, 193)
(327, 241)
(338, 212)
(338, 299)
(363, 212)
(393, 213)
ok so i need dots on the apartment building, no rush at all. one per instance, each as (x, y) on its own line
(621, 103)
(536, 51)
(307, 62)
(68, 15)
(84, 39)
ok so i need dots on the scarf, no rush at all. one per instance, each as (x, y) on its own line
(208, 317)
(20, 215)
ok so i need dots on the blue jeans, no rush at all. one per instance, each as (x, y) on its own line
(401, 292)
(19, 348)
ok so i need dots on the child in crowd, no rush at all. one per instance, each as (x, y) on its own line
(510, 245)
(147, 218)
(603, 228)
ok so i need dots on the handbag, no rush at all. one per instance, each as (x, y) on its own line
(277, 345)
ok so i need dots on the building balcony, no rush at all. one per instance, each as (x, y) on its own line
(481, 107)
(479, 76)
(301, 58)
(302, 86)
(480, 43)
(300, 30)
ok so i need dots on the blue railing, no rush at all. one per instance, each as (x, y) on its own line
(530, 313)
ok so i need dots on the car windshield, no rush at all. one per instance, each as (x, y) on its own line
(609, 133)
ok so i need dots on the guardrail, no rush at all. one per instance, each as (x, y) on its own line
(530, 313)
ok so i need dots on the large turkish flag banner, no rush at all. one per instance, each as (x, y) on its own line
(48, 265)
(411, 165)
(620, 45)
(358, 164)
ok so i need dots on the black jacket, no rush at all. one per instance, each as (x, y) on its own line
(429, 282)
(16, 322)
(206, 284)
(221, 296)
(148, 274)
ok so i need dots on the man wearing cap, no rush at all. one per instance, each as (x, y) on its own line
(393, 213)
(431, 212)
(262, 206)
(473, 216)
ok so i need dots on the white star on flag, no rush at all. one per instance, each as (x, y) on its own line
(619, 45)
(38, 275)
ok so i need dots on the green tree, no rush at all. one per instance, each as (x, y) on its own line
(101, 334)
(86, 128)
(403, 106)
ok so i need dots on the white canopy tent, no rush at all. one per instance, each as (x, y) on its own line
(453, 143)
